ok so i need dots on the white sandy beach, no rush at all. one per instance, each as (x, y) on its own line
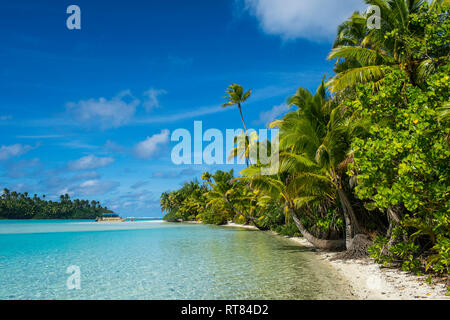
(370, 281)
(235, 225)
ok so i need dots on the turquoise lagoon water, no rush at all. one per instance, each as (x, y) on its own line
(157, 260)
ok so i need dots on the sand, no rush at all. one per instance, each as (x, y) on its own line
(235, 225)
(370, 281)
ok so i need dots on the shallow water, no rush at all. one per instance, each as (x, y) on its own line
(158, 260)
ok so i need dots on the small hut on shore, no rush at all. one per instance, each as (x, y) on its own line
(110, 218)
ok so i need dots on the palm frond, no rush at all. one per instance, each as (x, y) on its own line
(352, 77)
(365, 56)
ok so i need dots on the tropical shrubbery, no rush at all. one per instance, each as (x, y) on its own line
(403, 166)
(365, 159)
(14, 205)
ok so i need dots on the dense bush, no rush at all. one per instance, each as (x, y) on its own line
(404, 165)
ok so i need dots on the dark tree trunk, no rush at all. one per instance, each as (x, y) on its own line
(242, 116)
(351, 223)
(318, 243)
(245, 127)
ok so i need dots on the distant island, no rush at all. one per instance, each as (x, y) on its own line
(15, 205)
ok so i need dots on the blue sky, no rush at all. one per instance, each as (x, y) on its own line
(89, 112)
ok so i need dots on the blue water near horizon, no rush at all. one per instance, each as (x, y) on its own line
(151, 259)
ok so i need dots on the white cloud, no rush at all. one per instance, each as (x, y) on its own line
(95, 187)
(107, 113)
(111, 146)
(150, 146)
(309, 19)
(7, 152)
(268, 116)
(57, 183)
(134, 202)
(89, 162)
(152, 98)
(86, 175)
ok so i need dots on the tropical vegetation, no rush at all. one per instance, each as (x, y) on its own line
(363, 160)
(16, 205)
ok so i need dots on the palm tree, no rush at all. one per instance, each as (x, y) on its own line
(164, 201)
(237, 96)
(281, 188)
(365, 55)
(244, 144)
(225, 191)
(314, 152)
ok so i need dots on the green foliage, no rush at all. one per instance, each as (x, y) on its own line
(185, 203)
(440, 261)
(373, 156)
(210, 216)
(401, 252)
(413, 37)
(289, 229)
(14, 205)
(240, 220)
(272, 215)
(377, 251)
(331, 221)
(405, 160)
(173, 216)
(219, 199)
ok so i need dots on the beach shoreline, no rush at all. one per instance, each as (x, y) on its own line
(369, 280)
(235, 225)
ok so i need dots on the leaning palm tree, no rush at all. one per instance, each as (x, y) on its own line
(284, 189)
(315, 149)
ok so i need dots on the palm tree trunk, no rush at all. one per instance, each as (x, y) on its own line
(348, 213)
(318, 243)
(245, 127)
(394, 219)
(393, 215)
(242, 116)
